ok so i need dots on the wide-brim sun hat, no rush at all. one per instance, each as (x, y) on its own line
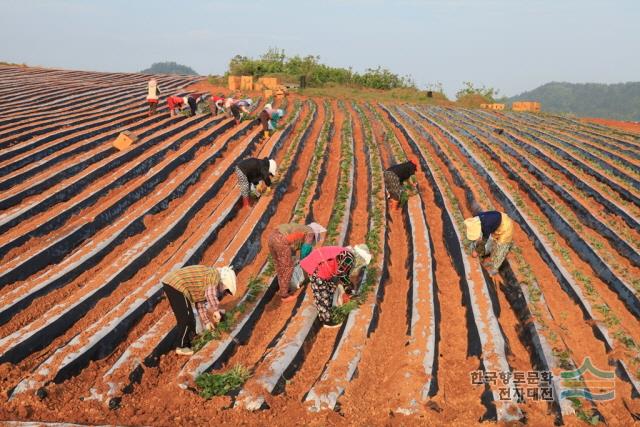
(228, 278)
(268, 107)
(363, 254)
(280, 111)
(473, 228)
(249, 101)
(317, 230)
(273, 167)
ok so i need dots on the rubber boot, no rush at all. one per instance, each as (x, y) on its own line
(246, 202)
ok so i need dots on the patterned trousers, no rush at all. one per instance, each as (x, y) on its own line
(281, 253)
(323, 295)
(393, 185)
(497, 251)
(243, 182)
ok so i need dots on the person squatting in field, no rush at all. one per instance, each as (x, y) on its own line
(250, 172)
(394, 177)
(330, 269)
(197, 285)
(491, 234)
(239, 108)
(284, 241)
(269, 120)
(153, 91)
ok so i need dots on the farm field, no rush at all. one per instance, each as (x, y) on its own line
(86, 335)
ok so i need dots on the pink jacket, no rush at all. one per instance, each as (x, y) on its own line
(322, 259)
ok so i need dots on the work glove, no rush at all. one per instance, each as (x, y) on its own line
(305, 250)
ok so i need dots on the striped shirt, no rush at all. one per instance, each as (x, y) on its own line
(199, 284)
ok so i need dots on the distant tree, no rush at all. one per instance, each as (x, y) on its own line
(468, 88)
(169, 68)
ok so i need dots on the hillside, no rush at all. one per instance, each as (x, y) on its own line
(616, 101)
(169, 68)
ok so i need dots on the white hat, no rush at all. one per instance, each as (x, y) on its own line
(280, 112)
(249, 101)
(228, 278)
(473, 228)
(273, 167)
(317, 230)
(362, 251)
(268, 107)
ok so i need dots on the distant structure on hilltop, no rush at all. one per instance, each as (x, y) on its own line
(170, 68)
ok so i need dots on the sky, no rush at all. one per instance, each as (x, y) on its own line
(511, 45)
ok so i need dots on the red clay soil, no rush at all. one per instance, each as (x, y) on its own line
(325, 340)
(457, 397)
(617, 124)
(580, 340)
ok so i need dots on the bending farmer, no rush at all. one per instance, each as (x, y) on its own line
(491, 234)
(330, 267)
(239, 108)
(284, 241)
(197, 285)
(250, 172)
(269, 119)
(395, 176)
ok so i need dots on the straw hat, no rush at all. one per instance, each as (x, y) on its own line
(473, 228)
(228, 278)
(363, 255)
(273, 167)
(317, 230)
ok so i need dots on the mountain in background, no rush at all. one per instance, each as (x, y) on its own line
(619, 101)
(169, 68)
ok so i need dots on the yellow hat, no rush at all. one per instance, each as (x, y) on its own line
(474, 228)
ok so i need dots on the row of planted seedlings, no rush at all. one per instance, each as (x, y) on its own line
(522, 291)
(78, 246)
(589, 240)
(593, 144)
(486, 338)
(197, 372)
(100, 338)
(358, 315)
(288, 350)
(620, 200)
(623, 138)
(606, 179)
(423, 304)
(626, 175)
(618, 211)
(51, 321)
(607, 326)
(23, 137)
(79, 195)
(216, 347)
(619, 236)
(145, 349)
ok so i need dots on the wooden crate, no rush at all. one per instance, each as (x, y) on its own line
(525, 106)
(234, 82)
(124, 140)
(246, 83)
(269, 82)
